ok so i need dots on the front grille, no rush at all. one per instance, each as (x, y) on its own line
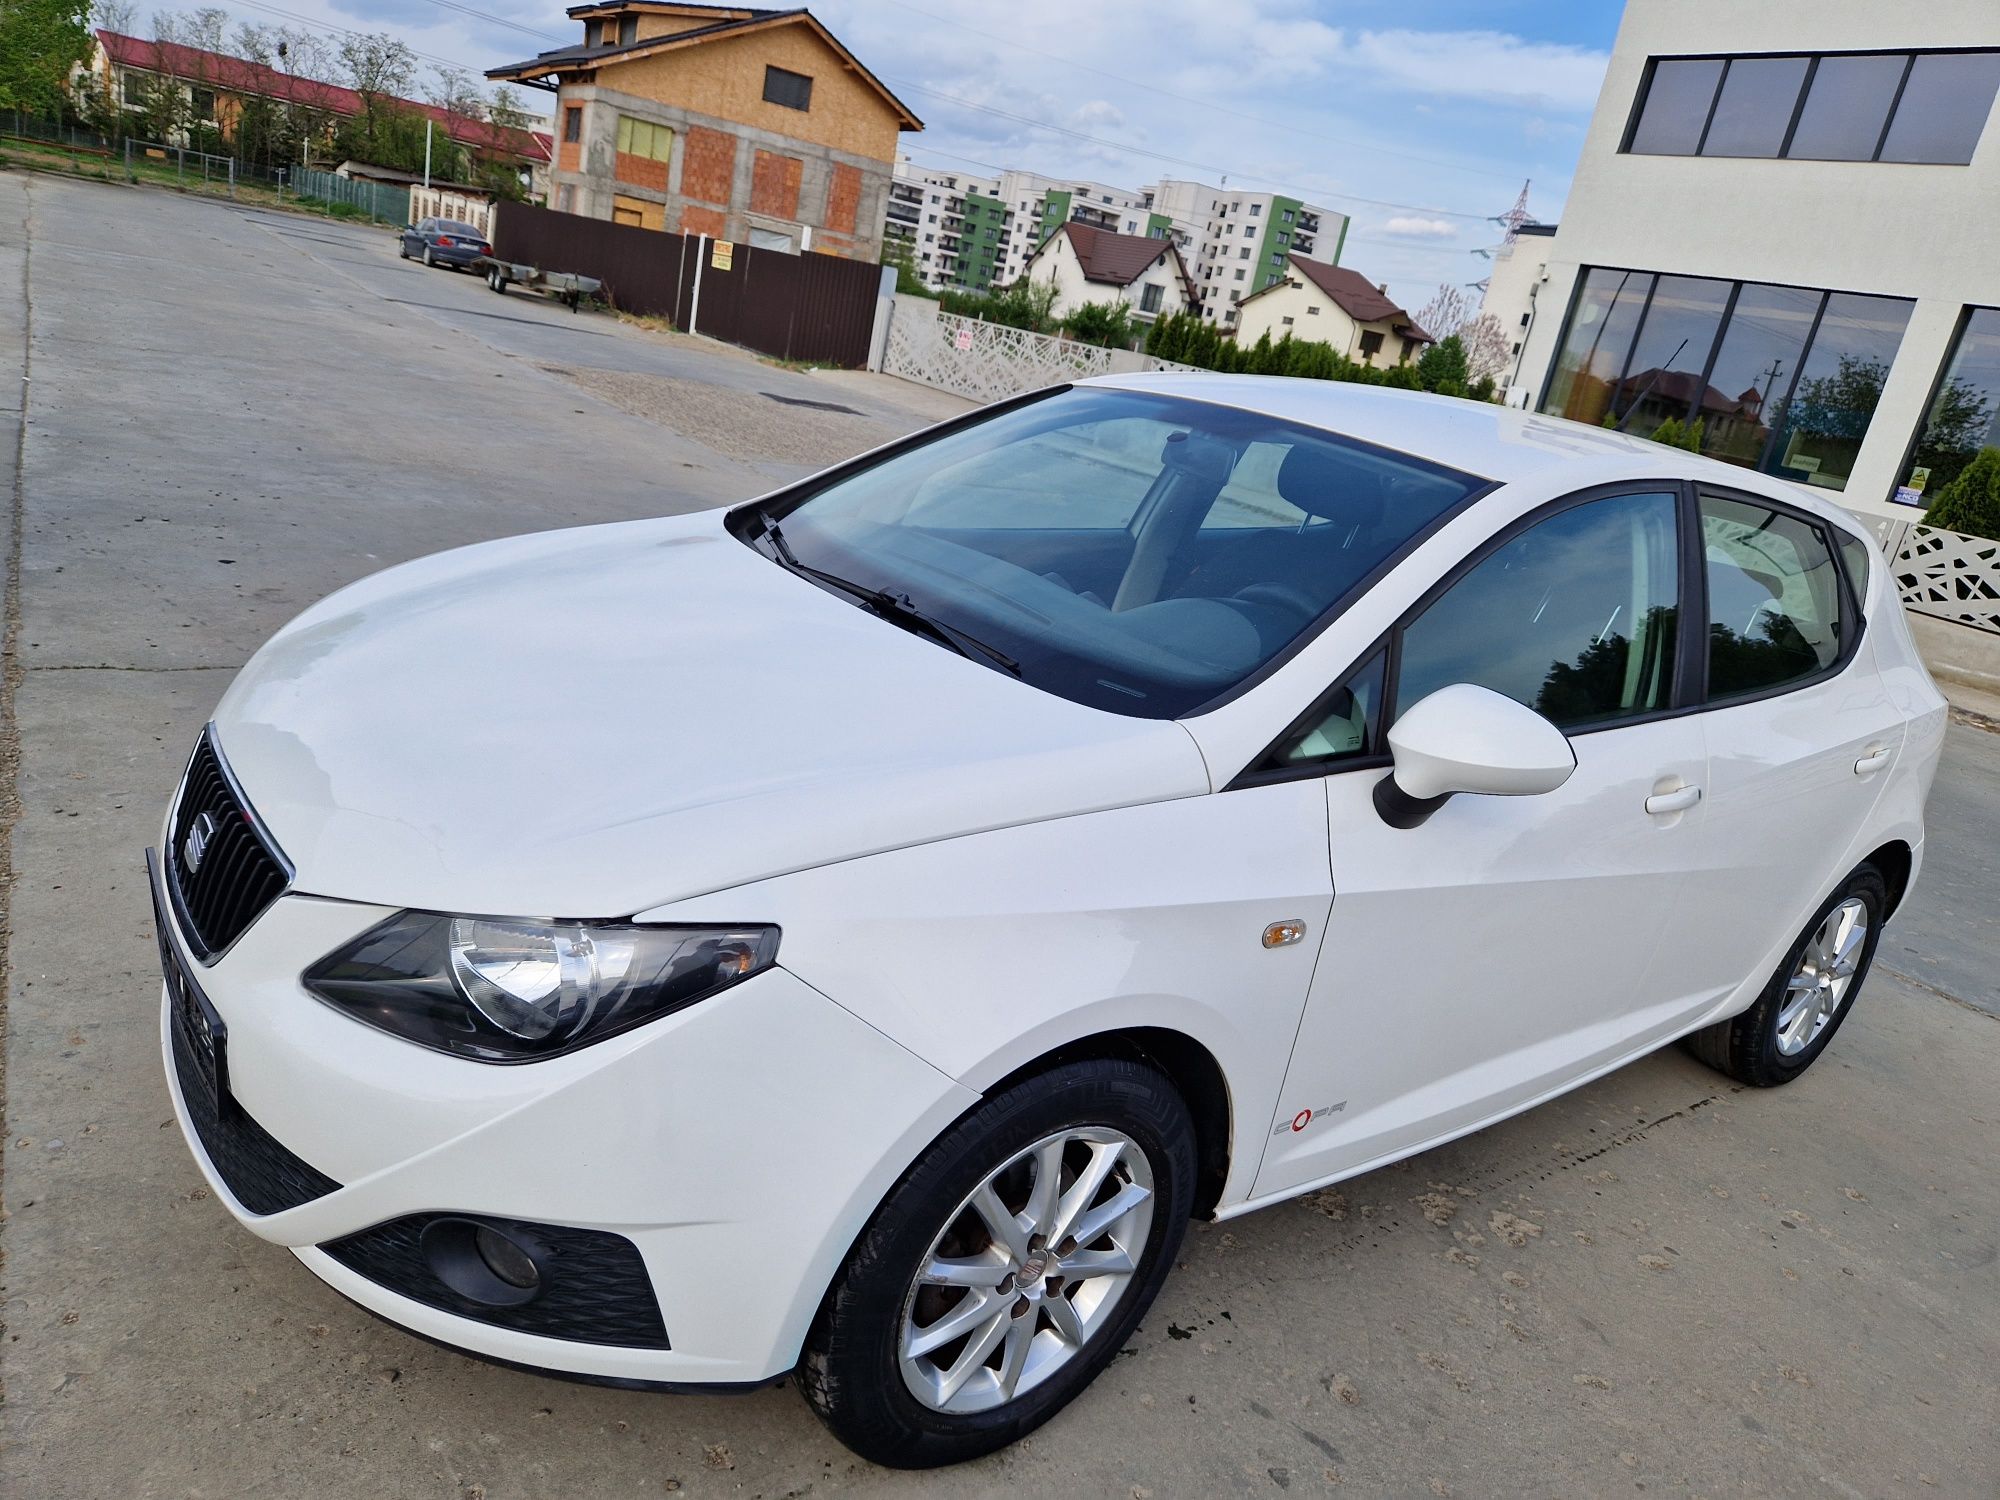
(221, 866)
(265, 1177)
(596, 1290)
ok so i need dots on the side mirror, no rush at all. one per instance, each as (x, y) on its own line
(1464, 738)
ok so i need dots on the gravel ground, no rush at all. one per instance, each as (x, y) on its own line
(754, 425)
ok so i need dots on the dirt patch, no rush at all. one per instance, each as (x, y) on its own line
(739, 423)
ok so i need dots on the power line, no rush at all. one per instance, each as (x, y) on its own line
(1429, 161)
(487, 15)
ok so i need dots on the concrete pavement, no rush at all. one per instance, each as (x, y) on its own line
(1658, 1283)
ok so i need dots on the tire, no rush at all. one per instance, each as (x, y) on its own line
(402, 249)
(428, 259)
(853, 1372)
(1795, 1017)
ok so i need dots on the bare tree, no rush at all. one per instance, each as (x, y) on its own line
(1487, 349)
(1446, 313)
(115, 15)
(510, 109)
(453, 91)
(378, 66)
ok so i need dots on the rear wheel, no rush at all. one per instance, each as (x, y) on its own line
(1812, 992)
(428, 259)
(1007, 1268)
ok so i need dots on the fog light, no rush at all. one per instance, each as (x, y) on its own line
(488, 1264)
(506, 1259)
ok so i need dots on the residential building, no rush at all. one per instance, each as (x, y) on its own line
(970, 231)
(1084, 264)
(973, 232)
(1326, 304)
(1513, 290)
(129, 71)
(1237, 243)
(741, 124)
(1782, 227)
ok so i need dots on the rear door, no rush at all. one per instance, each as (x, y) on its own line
(1800, 729)
(1507, 945)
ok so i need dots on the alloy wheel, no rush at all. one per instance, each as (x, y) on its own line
(1027, 1268)
(1824, 974)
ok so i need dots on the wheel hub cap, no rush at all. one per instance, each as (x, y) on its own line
(1026, 1270)
(1825, 973)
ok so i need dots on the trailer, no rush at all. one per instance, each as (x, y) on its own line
(563, 286)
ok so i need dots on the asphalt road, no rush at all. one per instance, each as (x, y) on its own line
(1659, 1283)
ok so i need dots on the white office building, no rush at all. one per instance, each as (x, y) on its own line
(1783, 227)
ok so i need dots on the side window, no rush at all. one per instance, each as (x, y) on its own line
(1340, 727)
(1575, 617)
(1775, 606)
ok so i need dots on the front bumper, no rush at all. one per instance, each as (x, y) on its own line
(740, 1145)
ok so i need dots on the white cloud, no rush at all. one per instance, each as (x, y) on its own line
(1489, 65)
(1408, 227)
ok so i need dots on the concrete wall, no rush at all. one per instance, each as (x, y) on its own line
(1924, 232)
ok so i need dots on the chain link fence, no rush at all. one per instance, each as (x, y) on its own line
(379, 201)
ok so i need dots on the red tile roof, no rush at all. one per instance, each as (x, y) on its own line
(1121, 259)
(1356, 296)
(238, 75)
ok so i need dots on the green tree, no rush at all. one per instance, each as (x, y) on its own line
(1971, 502)
(40, 42)
(901, 257)
(1443, 367)
(1106, 324)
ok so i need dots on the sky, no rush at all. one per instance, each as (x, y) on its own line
(1419, 118)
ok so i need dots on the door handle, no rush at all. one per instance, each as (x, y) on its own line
(1678, 800)
(1874, 760)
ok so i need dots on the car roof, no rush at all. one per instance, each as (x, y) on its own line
(1474, 437)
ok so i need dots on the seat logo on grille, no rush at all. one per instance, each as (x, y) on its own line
(201, 833)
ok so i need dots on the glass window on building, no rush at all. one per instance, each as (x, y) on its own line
(1678, 330)
(1754, 109)
(1676, 106)
(1820, 428)
(1965, 413)
(1944, 107)
(1596, 343)
(1847, 106)
(1784, 380)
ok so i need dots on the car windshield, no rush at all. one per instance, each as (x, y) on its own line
(446, 226)
(1134, 552)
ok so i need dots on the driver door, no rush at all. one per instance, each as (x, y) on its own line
(1507, 946)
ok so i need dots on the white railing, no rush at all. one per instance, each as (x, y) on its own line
(1945, 573)
(989, 361)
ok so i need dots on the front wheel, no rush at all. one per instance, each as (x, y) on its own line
(1812, 992)
(1007, 1268)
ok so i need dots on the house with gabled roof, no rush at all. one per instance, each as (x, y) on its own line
(1085, 264)
(1327, 304)
(728, 121)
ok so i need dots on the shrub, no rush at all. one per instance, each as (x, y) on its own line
(1106, 324)
(1443, 368)
(1971, 502)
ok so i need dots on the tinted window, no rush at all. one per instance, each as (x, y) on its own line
(1575, 617)
(1965, 414)
(1753, 369)
(1596, 343)
(1073, 535)
(1665, 370)
(1774, 599)
(1847, 105)
(1339, 728)
(1676, 107)
(1754, 109)
(1944, 107)
(1821, 426)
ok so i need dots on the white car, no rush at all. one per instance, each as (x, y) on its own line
(849, 935)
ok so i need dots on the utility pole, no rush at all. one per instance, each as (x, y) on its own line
(427, 154)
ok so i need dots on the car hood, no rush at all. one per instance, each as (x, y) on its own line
(588, 723)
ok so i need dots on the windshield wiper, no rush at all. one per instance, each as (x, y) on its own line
(897, 609)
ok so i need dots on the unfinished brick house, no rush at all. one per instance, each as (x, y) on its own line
(748, 125)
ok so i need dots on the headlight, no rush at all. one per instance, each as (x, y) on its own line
(505, 990)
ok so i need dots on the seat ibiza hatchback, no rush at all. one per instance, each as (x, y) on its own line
(849, 935)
